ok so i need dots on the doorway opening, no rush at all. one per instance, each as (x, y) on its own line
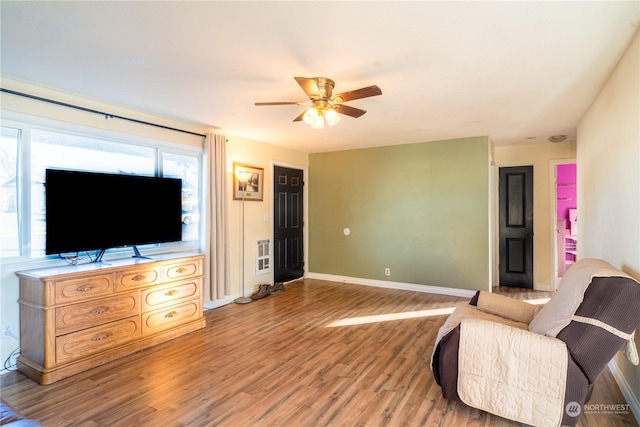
(566, 218)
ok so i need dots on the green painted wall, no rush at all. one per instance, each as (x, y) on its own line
(421, 210)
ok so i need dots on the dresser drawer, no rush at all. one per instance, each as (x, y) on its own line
(155, 298)
(156, 321)
(137, 278)
(83, 288)
(182, 270)
(97, 312)
(96, 339)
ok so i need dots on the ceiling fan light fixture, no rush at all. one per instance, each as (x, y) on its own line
(320, 93)
(332, 116)
(319, 122)
(310, 116)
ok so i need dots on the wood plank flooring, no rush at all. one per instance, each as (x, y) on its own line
(319, 354)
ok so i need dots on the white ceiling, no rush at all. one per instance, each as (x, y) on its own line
(515, 71)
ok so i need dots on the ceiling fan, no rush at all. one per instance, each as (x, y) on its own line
(325, 105)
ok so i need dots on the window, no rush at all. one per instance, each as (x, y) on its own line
(27, 150)
(9, 243)
(186, 168)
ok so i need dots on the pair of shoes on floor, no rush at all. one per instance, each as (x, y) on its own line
(266, 290)
(277, 288)
(263, 291)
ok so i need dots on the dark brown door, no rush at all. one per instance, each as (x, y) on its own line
(288, 224)
(516, 226)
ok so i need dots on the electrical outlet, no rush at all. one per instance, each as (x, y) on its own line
(387, 271)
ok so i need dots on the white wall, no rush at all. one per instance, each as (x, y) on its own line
(32, 107)
(258, 216)
(608, 156)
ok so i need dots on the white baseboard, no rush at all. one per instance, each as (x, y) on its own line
(464, 293)
(208, 305)
(627, 392)
(228, 299)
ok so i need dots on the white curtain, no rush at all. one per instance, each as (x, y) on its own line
(217, 234)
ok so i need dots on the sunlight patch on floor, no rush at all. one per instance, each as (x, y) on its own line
(538, 301)
(350, 321)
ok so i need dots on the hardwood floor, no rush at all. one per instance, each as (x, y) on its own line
(319, 354)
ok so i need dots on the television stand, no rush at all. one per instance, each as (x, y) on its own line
(136, 254)
(99, 257)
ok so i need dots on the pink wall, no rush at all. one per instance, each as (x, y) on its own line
(567, 196)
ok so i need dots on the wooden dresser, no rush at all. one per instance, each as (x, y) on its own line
(74, 318)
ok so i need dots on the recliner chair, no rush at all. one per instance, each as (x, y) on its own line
(538, 364)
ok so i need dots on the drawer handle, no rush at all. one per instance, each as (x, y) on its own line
(84, 288)
(137, 278)
(181, 270)
(102, 337)
(99, 310)
(171, 293)
(171, 314)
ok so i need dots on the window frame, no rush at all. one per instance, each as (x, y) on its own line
(25, 123)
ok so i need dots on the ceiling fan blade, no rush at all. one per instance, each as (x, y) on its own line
(349, 111)
(310, 86)
(261, 104)
(365, 92)
(300, 117)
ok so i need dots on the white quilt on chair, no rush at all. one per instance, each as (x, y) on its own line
(521, 375)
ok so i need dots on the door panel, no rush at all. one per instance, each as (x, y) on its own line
(516, 226)
(288, 224)
(516, 255)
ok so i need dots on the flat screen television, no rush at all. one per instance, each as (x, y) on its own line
(98, 211)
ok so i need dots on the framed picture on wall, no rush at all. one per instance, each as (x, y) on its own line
(247, 182)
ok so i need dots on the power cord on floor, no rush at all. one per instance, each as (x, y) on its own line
(8, 364)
